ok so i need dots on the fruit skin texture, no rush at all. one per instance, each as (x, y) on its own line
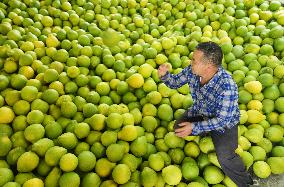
(82, 103)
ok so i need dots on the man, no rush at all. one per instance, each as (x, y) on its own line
(215, 107)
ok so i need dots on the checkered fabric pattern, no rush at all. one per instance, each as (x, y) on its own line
(216, 101)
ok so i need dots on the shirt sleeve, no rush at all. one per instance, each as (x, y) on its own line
(227, 103)
(192, 112)
(178, 80)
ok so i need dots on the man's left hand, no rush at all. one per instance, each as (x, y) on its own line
(185, 129)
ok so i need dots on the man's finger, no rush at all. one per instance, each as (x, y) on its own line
(184, 124)
(180, 129)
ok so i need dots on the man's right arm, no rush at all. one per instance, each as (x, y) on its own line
(177, 80)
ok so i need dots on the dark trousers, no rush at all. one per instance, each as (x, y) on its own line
(225, 145)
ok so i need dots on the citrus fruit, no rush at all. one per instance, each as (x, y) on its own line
(172, 175)
(71, 179)
(68, 162)
(7, 115)
(121, 173)
(27, 162)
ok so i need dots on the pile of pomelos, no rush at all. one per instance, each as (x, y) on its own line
(81, 103)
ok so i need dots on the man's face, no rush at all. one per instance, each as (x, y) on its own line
(198, 63)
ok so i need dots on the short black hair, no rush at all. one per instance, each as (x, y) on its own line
(211, 51)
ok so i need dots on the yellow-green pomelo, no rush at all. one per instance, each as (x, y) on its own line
(254, 135)
(29, 93)
(258, 153)
(145, 70)
(108, 137)
(35, 117)
(276, 164)
(34, 182)
(86, 161)
(97, 122)
(12, 184)
(108, 183)
(68, 140)
(165, 112)
(271, 92)
(68, 162)
(50, 96)
(128, 119)
(53, 177)
(68, 109)
(265, 144)
(7, 115)
(21, 178)
(177, 100)
(131, 161)
(255, 105)
(191, 149)
(255, 116)
(149, 110)
(213, 175)
(247, 158)
(53, 130)
(261, 169)
(121, 174)
(149, 123)
(34, 132)
(189, 170)
(5, 145)
(228, 182)
(148, 177)
(91, 179)
(243, 117)
(135, 81)
(244, 143)
(14, 154)
(273, 134)
(6, 175)
(195, 184)
(114, 120)
(279, 104)
(53, 155)
(206, 144)
(115, 152)
(172, 175)
(253, 87)
(281, 119)
(277, 151)
(156, 162)
(148, 86)
(41, 146)
(212, 156)
(173, 141)
(110, 37)
(104, 167)
(127, 133)
(27, 162)
(52, 41)
(69, 179)
(82, 130)
(164, 90)
(154, 97)
(279, 71)
(139, 146)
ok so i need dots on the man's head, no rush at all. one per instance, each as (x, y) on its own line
(207, 56)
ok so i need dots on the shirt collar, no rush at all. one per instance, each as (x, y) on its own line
(215, 78)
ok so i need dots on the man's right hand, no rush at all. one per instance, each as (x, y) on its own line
(163, 69)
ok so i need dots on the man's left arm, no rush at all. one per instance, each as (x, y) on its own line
(228, 101)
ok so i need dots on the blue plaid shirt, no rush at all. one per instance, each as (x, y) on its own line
(217, 100)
